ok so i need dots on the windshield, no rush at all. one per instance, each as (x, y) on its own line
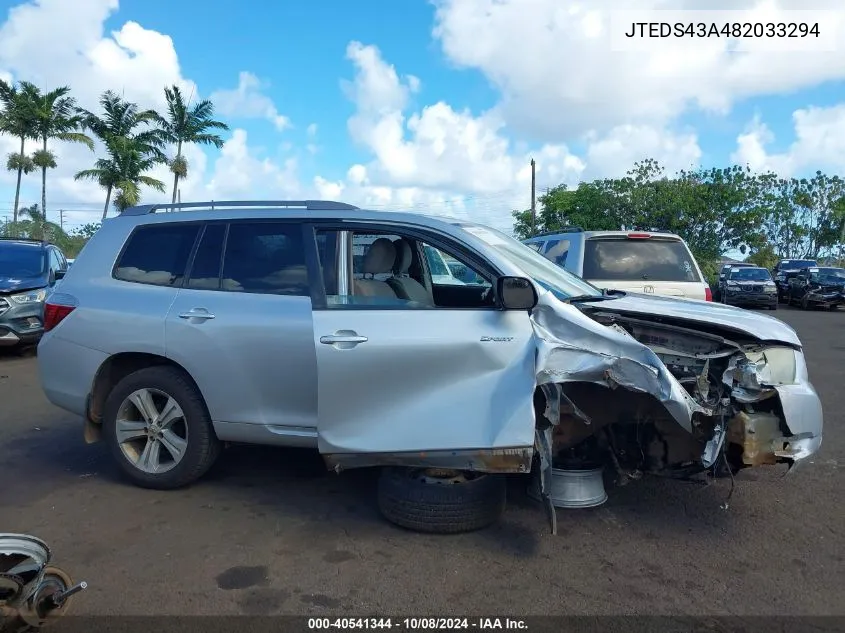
(560, 282)
(750, 274)
(615, 259)
(19, 262)
(829, 275)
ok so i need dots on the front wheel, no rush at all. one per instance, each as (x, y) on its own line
(440, 501)
(159, 430)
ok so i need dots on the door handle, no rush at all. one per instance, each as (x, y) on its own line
(343, 339)
(197, 313)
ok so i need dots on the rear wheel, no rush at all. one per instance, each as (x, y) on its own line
(439, 500)
(159, 430)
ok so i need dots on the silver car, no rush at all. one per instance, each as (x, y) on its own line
(317, 324)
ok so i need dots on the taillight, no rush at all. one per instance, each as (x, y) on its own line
(54, 313)
(639, 236)
(708, 294)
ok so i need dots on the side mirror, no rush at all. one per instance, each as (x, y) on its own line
(60, 274)
(516, 293)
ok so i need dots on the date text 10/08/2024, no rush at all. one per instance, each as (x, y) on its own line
(727, 29)
(418, 624)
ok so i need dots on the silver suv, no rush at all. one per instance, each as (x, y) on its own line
(317, 324)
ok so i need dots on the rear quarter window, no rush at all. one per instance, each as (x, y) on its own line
(157, 254)
(639, 259)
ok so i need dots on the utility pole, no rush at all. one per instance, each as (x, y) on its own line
(62, 219)
(533, 198)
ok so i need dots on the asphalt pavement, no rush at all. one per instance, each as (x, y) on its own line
(269, 531)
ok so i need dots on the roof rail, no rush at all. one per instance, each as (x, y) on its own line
(563, 229)
(309, 205)
(24, 239)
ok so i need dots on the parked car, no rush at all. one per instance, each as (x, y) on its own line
(818, 287)
(174, 333)
(749, 286)
(635, 261)
(785, 270)
(28, 271)
(723, 273)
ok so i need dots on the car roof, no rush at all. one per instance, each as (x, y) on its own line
(592, 234)
(17, 242)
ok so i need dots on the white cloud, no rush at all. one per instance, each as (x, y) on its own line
(461, 163)
(553, 62)
(438, 155)
(247, 101)
(311, 130)
(819, 143)
(56, 43)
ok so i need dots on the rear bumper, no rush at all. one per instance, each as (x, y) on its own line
(67, 372)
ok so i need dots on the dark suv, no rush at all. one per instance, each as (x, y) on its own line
(28, 271)
(785, 270)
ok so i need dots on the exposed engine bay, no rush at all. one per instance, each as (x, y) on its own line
(729, 380)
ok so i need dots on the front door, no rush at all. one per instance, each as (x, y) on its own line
(405, 378)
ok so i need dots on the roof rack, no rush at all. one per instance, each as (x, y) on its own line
(309, 205)
(563, 229)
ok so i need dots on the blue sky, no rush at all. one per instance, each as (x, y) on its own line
(445, 102)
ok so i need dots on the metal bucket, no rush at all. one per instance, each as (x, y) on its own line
(574, 488)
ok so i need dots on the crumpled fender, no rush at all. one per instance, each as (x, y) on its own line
(571, 347)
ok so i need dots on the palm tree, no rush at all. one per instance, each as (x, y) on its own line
(18, 120)
(33, 224)
(184, 124)
(130, 152)
(56, 117)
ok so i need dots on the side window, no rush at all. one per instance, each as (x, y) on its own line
(265, 257)
(55, 260)
(557, 251)
(157, 254)
(447, 270)
(327, 242)
(537, 246)
(397, 271)
(205, 271)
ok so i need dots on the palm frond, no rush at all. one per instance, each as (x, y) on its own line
(44, 159)
(153, 183)
(76, 137)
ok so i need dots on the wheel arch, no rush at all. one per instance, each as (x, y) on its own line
(114, 369)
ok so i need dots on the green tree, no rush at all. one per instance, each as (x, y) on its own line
(56, 117)
(32, 223)
(18, 120)
(184, 124)
(133, 146)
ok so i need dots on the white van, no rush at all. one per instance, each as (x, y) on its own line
(634, 261)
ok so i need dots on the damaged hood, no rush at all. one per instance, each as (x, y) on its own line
(759, 326)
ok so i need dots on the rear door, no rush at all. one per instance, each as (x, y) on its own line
(399, 379)
(643, 262)
(241, 326)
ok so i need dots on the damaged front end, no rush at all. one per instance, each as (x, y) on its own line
(654, 392)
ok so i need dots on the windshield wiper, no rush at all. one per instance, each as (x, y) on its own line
(604, 296)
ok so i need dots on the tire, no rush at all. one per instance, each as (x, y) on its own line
(774, 306)
(201, 446)
(407, 498)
